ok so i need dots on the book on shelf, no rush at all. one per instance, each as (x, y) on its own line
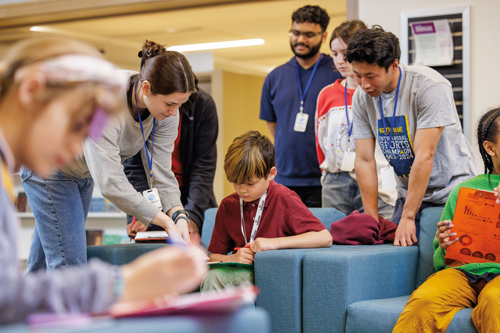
(21, 202)
(94, 237)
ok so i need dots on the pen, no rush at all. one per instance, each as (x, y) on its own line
(132, 227)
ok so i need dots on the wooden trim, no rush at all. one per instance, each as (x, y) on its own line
(26, 13)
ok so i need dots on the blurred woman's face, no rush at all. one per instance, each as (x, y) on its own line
(58, 131)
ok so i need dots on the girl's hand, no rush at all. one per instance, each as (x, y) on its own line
(496, 191)
(444, 233)
(165, 272)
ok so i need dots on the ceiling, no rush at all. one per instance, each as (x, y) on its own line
(120, 36)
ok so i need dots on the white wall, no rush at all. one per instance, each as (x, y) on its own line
(485, 47)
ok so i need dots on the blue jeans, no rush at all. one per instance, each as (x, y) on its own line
(341, 192)
(60, 204)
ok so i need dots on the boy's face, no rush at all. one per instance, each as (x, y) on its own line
(255, 187)
(375, 80)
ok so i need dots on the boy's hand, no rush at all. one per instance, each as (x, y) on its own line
(406, 234)
(444, 233)
(263, 244)
(244, 255)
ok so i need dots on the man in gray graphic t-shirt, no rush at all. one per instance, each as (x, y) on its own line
(410, 112)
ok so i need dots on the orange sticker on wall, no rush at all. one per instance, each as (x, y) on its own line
(477, 224)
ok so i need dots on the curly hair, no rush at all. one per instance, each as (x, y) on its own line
(312, 14)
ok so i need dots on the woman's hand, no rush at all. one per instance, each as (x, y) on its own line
(444, 233)
(138, 227)
(164, 221)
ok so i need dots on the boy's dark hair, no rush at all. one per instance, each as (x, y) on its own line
(346, 30)
(312, 14)
(250, 155)
(487, 130)
(373, 46)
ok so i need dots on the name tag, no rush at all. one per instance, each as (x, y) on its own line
(301, 122)
(388, 178)
(153, 197)
(348, 161)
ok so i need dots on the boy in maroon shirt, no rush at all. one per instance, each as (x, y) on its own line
(260, 216)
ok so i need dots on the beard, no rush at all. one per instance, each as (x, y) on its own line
(312, 51)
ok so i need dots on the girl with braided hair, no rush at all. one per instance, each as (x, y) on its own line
(148, 124)
(475, 285)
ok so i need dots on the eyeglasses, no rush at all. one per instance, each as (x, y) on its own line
(308, 34)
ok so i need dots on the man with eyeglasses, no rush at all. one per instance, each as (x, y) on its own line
(288, 104)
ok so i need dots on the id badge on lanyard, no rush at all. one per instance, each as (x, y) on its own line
(388, 178)
(350, 154)
(387, 173)
(256, 219)
(151, 195)
(302, 118)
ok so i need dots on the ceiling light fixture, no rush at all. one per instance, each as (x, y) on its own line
(216, 45)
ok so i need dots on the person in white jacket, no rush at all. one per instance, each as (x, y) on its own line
(53, 92)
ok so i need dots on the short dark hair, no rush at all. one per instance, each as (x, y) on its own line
(373, 46)
(312, 14)
(487, 130)
(250, 155)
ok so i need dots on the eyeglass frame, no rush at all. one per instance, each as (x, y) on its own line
(308, 34)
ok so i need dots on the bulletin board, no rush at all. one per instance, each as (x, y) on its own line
(458, 73)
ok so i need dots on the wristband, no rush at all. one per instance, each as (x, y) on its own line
(178, 212)
(182, 217)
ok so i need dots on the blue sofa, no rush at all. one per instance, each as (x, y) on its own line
(279, 275)
(365, 288)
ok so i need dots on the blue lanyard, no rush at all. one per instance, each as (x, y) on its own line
(349, 125)
(150, 161)
(393, 113)
(303, 96)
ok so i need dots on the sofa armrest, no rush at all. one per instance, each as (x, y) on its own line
(278, 275)
(337, 277)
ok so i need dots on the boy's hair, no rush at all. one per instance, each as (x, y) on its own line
(487, 130)
(312, 14)
(346, 30)
(250, 154)
(373, 46)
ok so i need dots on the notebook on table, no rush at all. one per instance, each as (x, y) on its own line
(477, 223)
(151, 237)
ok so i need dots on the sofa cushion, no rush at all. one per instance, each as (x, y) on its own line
(120, 254)
(428, 226)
